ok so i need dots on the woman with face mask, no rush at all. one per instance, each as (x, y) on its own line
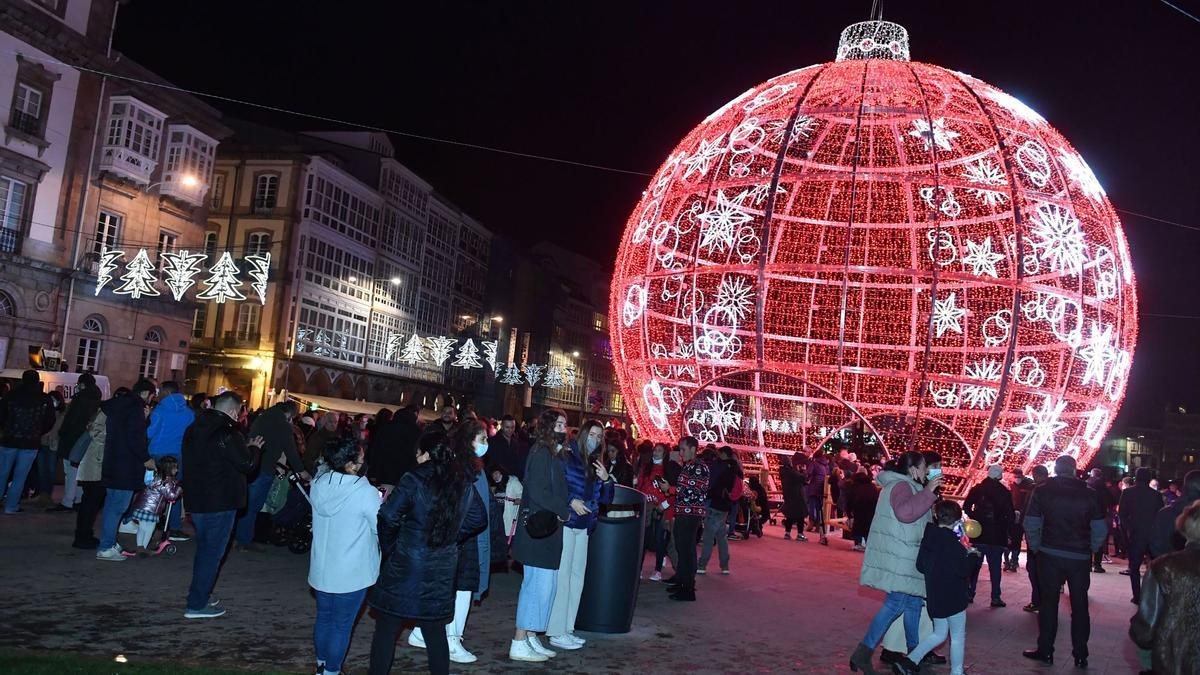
(545, 490)
(653, 483)
(469, 440)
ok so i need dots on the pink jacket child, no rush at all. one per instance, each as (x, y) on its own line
(150, 504)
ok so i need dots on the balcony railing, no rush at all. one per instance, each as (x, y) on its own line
(125, 162)
(9, 240)
(24, 122)
(263, 207)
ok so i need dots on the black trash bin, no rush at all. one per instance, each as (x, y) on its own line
(614, 565)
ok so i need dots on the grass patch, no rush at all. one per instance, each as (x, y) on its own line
(35, 663)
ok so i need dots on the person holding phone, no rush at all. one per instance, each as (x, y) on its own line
(652, 481)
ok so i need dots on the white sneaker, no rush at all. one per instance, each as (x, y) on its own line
(536, 645)
(520, 650)
(129, 527)
(416, 639)
(111, 554)
(564, 642)
(578, 640)
(459, 653)
(657, 576)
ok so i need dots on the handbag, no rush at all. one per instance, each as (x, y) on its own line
(543, 523)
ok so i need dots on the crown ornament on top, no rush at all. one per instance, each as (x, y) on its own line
(873, 40)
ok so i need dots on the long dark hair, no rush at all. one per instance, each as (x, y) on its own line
(645, 461)
(905, 461)
(581, 451)
(462, 439)
(447, 481)
(544, 434)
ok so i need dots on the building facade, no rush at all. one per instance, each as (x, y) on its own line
(93, 164)
(365, 254)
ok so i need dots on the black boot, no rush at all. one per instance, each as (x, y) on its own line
(861, 660)
(904, 666)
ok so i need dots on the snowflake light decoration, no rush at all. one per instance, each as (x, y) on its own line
(931, 291)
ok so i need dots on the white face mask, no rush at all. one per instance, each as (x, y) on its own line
(658, 460)
(481, 449)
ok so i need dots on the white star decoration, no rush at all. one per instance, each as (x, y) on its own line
(1079, 172)
(720, 413)
(946, 316)
(1097, 423)
(978, 395)
(1040, 426)
(722, 222)
(981, 259)
(1060, 239)
(702, 159)
(935, 133)
(734, 297)
(1098, 353)
(984, 172)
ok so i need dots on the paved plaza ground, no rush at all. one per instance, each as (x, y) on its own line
(787, 607)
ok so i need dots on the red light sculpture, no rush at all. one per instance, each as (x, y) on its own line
(878, 242)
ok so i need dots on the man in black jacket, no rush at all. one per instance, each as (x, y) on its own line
(1165, 539)
(274, 425)
(393, 449)
(216, 460)
(1064, 527)
(507, 450)
(25, 414)
(990, 503)
(126, 461)
(1139, 505)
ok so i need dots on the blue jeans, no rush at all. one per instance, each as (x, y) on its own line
(116, 503)
(956, 627)
(256, 496)
(14, 464)
(335, 621)
(896, 604)
(536, 599)
(212, 538)
(714, 532)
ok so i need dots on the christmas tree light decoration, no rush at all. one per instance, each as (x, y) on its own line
(554, 378)
(260, 266)
(222, 283)
(512, 376)
(139, 277)
(440, 348)
(181, 268)
(881, 243)
(468, 355)
(106, 266)
(489, 352)
(414, 351)
(533, 373)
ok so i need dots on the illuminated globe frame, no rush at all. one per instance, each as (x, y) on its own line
(881, 243)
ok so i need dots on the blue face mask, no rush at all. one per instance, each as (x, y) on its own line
(481, 449)
(658, 460)
(592, 444)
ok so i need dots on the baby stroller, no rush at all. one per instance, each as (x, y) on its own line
(165, 545)
(299, 531)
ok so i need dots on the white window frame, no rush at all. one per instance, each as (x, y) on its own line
(210, 246)
(216, 192)
(200, 320)
(258, 243)
(266, 191)
(135, 126)
(28, 99)
(167, 241)
(108, 232)
(148, 366)
(249, 320)
(87, 355)
(12, 203)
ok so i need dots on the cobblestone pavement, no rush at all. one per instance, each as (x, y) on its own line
(787, 607)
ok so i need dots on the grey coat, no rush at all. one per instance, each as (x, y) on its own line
(545, 489)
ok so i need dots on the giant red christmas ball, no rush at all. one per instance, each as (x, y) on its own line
(881, 245)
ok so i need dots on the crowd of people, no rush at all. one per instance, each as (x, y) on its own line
(411, 518)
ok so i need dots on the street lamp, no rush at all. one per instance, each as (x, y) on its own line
(395, 281)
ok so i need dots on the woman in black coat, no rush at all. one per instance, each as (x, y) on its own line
(795, 508)
(431, 511)
(860, 505)
(545, 489)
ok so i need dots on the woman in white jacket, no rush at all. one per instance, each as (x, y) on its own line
(345, 548)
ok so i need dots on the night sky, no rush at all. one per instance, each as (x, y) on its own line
(619, 83)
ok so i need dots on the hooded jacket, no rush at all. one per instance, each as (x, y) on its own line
(215, 463)
(25, 415)
(818, 474)
(946, 566)
(1139, 505)
(169, 419)
(278, 438)
(890, 564)
(125, 446)
(345, 545)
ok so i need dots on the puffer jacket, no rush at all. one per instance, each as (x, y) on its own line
(1168, 617)
(417, 580)
(91, 464)
(890, 564)
(818, 473)
(154, 498)
(169, 419)
(578, 487)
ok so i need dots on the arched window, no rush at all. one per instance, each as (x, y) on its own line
(93, 324)
(154, 335)
(8, 307)
(258, 243)
(266, 192)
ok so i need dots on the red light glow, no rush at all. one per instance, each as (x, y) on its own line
(879, 241)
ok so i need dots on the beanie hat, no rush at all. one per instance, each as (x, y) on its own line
(995, 471)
